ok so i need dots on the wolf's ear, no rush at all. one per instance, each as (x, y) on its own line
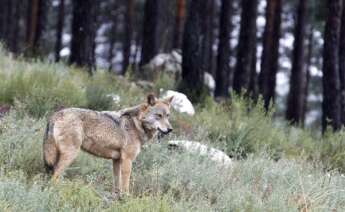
(168, 100)
(151, 99)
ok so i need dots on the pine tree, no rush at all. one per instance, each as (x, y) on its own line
(223, 58)
(298, 79)
(331, 105)
(246, 47)
(270, 53)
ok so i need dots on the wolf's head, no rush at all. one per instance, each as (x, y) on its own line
(152, 116)
(155, 114)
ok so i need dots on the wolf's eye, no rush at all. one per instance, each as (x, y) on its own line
(159, 115)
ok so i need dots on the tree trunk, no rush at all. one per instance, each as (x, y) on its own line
(331, 104)
(295, 102)
(246, 46)
(2, 19)
(83, 34)
(59, 29)
(223, 58)
(129, 19)
(207, 28)
(211, 36)
(192, 72)
(150, 42)
(8, 20)
(309, 62)
(112, 41)
(342, 64)
(14, 29)
(253, 82)
(270, 53)
(179, 19)
(36, 16)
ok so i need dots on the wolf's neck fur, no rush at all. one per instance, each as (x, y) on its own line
(144, 134)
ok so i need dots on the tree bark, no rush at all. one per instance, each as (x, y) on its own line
(295, 102)
(211, 36)
(253, 82)
(112, 40)
(35, 25)
(59, 29)
(192, 72)
(342, 64)
(129, 19)
(309, 63)
(270, 54)
(207, 28)
(8, 20)
(2, 20)
(179, 19)
(12, 39)
(246, 46)
(331, 105)
(150, 42)
(83, 34)
(223, 58)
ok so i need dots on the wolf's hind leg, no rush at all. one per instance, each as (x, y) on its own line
(65, 159)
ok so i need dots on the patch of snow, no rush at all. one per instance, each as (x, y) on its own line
(201, 149)
(180, 102)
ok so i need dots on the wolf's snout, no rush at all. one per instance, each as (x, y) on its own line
(167, 131)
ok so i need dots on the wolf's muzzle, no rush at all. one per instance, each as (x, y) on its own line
(165, 132)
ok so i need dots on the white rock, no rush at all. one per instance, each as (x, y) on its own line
(201, 149)
(159, 59)
(172, 63)
(176, 56)
(180, 102)
(116, 98)
(209, 81)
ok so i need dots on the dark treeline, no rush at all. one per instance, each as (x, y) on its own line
(226, 38)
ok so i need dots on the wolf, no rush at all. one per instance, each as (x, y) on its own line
(118, 136)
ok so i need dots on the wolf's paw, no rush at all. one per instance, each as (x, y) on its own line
(116, 195)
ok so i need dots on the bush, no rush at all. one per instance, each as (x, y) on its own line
(38, 88)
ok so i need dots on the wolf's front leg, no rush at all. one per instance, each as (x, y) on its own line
(126, 168)
(117, 177)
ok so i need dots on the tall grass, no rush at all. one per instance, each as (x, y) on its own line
(276, 167)
(163, 180)
(40, 87)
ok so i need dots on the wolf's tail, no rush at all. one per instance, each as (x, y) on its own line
(50, 151)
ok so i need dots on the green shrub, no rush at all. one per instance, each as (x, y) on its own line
(21, 144)
(143, 204)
